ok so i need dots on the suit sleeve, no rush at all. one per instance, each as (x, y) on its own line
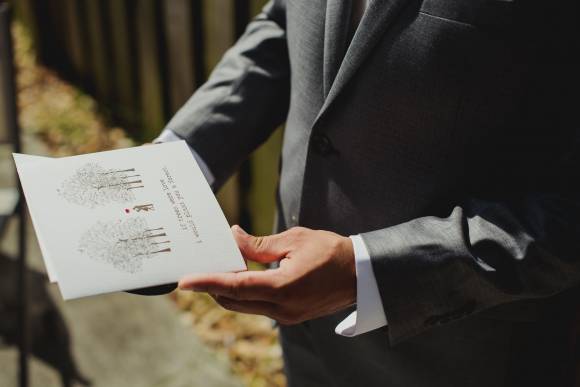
(522, 245)
(245, 98)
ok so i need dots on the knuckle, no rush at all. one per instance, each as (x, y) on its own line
(267, 284)
(275, 294)
(288, 317)
(281, 318)
(234, 289)
(335, 245)
(297, 234)
(281, 291)
(298, 231)
(259, 242)
(244, 282)
(269, 292)
(222, 302)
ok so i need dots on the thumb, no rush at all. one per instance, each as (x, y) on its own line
(263, 249)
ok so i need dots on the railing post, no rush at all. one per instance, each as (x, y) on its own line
(8, 95)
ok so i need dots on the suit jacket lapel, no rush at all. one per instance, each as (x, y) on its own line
(335, 35)
(379, 15)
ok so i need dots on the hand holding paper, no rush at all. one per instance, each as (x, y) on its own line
(316, 276)
(125, 219)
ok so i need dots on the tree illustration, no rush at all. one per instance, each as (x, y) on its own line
(92, 186)
(124, 244)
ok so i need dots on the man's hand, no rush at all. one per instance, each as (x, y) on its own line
(316, 276)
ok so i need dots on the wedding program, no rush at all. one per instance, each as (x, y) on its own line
(125, 219)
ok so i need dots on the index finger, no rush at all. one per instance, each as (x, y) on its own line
(245, 285)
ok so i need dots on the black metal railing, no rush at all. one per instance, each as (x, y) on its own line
(10, 124)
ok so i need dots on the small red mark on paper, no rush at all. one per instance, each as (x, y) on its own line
(127, 210)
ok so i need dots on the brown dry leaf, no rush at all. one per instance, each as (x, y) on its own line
(250, 342)
(65, 118)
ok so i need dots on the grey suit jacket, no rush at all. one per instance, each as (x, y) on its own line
(445, 133)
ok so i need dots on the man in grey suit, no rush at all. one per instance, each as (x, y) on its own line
(441, 136)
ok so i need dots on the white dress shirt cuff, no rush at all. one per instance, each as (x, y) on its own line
(168, 136)
(369, 314)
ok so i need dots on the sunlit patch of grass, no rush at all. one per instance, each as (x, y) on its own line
(66, 119)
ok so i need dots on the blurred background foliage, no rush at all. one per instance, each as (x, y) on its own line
(140, 60)
(104, 74)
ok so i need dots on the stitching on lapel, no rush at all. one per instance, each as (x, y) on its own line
(335, 36)
(379, 15)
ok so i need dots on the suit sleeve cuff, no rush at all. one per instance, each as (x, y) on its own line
(369, 314)
(168, 135)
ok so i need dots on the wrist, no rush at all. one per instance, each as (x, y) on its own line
(349, 262)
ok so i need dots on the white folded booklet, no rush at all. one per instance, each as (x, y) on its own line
(125, 219)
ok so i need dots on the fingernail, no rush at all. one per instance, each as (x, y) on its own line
(240, 230)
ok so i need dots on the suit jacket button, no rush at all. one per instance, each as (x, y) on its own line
(444, 320)
(321, 145)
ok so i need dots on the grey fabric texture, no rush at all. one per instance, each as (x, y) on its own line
(244, 100)
(445, 132)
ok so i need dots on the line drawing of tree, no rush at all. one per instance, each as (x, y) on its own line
(92, 186)
(124, 244)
